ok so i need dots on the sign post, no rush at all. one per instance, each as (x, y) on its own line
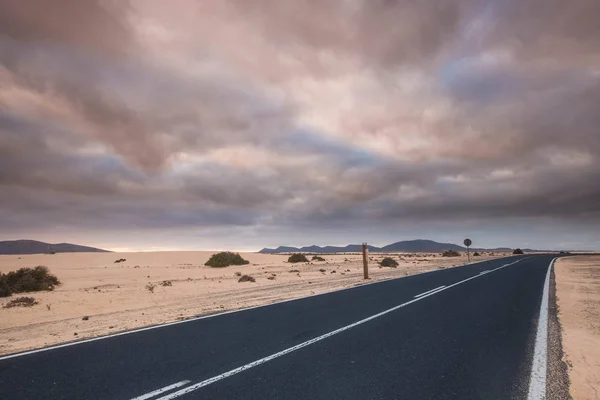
(365, 260)
(468, 243)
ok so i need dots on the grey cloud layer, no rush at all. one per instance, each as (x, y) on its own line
(268, 113)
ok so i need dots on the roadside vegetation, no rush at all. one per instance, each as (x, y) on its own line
(518, 251)
(317, 258)
(389, 262)
(21, 302)
(27, 280)
(246, 278)
(225, 259)
(451, 253)
(297, 257)
(476, 254)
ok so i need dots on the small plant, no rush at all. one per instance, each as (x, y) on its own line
(294, 270)
(120, 260)
(49, 307)
(166, 283)
(150, 287)
(238, 273)
(317, 258)
(27, 280)
(246, 278)
(518, 251)
(297, 257)
(451, 253)
(323, 270)
(389, 262)
(224, 259)
(21, 302)
(4, 288)
(476, 254)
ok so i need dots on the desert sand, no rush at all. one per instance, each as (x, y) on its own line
(578, 299)
(115, 296)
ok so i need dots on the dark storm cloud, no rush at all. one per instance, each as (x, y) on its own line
(307, 113)
(87, 25)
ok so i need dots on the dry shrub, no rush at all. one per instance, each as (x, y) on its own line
(451, 253)
(224, 259)
(246, 278)
(21, 302)
(297, 257)
(389, 262)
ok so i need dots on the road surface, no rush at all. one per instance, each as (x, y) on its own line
(461, 333)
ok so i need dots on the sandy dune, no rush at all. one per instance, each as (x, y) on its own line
(578, 298)
(115, 297)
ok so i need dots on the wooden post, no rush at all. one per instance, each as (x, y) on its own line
(365, 260)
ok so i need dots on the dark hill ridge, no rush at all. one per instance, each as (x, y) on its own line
(412, 246)
(423, 246)
(35, 247)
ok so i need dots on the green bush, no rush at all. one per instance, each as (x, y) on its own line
(389, 262)
(476, 254)
(225, 259)
(27, 280)
(317, 258)
(4, 289)
(297, 257)
(518, 251)
(451, 253)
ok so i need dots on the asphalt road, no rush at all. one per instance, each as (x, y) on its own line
(473, 339)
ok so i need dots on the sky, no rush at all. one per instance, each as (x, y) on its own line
(242, 124)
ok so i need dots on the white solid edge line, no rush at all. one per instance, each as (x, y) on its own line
(484, 272)
(539, 367)
(235, 371)
(161, 390)
(429, 291)
(147, 328)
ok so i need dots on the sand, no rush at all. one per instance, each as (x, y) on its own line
(115, 297)
(578, 299)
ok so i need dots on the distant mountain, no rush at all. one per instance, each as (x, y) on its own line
(35, 247)
(409, 246)
(335, 249)
(351, 248)
(422, 246)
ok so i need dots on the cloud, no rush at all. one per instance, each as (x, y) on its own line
(320, 115)
(86, 25)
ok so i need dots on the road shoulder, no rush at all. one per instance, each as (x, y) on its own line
(557, 386)
(578, 306)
